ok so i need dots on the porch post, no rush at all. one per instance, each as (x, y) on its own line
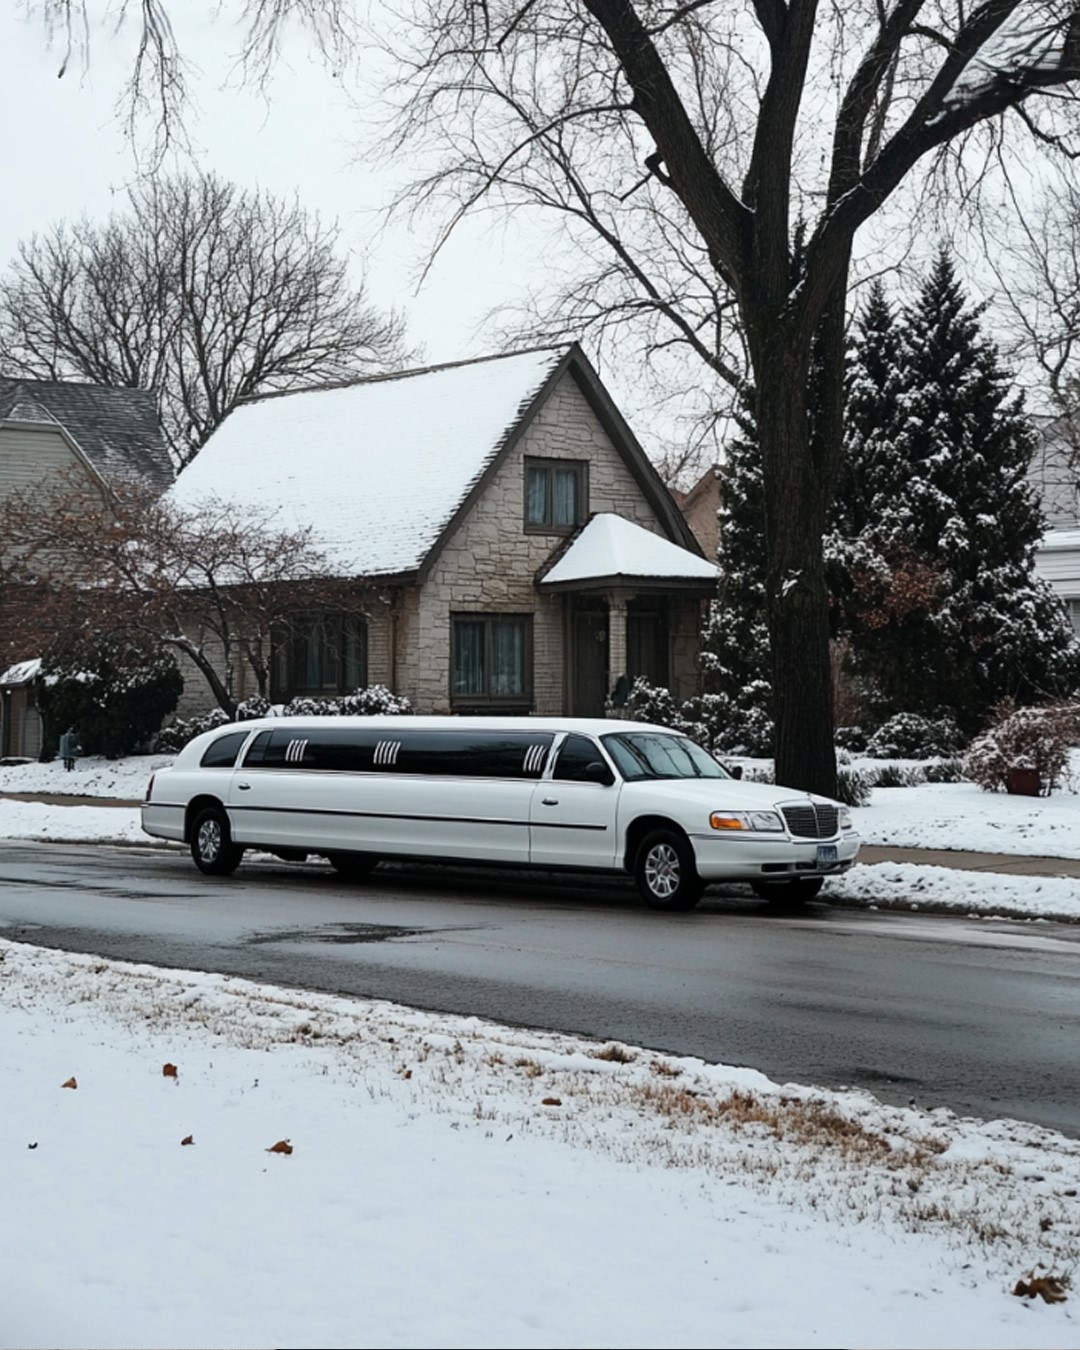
(616, 636)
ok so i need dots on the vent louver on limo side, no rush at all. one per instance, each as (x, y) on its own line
(811, 820)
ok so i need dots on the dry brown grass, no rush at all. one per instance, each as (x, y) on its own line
(615, 1054)
(808, 1123)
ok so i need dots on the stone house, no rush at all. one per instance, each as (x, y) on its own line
(509, 545)
(82, 434)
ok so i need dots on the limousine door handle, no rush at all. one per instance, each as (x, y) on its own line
(550, 801)
(243, 787)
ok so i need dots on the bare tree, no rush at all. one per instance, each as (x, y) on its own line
(220, 584)
(199, 291)
(721, 159)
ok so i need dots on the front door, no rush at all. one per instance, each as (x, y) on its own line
(589, 661)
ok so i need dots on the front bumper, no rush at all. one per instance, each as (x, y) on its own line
(770, 858)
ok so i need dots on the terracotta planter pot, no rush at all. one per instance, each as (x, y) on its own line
(1023, 782)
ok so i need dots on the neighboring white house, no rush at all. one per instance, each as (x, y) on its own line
(98, 436)
(511, 545)
(1055, 473)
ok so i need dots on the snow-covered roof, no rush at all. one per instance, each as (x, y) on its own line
(375, 468)
(22, 672)
(612, 546)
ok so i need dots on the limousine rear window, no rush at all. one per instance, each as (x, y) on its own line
(221, 754)
(454, 754)
(650, 754)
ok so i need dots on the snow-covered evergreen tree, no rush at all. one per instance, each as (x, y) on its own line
(935, 524)
(735, 646)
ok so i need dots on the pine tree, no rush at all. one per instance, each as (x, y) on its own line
(935, 523)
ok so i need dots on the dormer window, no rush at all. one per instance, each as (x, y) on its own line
(555, 495)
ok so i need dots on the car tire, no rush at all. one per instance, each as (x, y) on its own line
(788, 894)
(352, 866)
(665, 871)
(212, 848)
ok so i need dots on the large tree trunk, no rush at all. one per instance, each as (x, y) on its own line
(796, 502)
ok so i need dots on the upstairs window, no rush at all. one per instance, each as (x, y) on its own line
(555, 492)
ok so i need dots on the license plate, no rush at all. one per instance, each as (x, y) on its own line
(826, 855)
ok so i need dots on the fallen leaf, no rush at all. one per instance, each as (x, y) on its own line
(551, 1101)
(188, 1139)
(1049, 1288)
(169, 1071)
(282, 1146)
(70, 1083)
(33, 1145)
(406, 1073)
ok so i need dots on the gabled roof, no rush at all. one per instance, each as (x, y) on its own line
(383, 469)
(117, 429)
(609, 548)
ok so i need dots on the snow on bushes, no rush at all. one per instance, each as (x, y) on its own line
(375, 699)
(911, 736)
(1025, 738)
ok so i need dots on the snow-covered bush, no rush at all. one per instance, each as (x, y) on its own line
(376, 698)
(853, 786)
(713, 720)
(944, 771)
(114, 694)
(370, 702)
(176, 735)
(911, 736)
(1025, 738)
(896, 775)
(850, 738)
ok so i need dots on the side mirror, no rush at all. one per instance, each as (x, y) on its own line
(596, 771)
(734, 769)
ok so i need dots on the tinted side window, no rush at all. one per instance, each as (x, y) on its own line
(222, 753)
(575, 753)
(326, 749)
(473, 754)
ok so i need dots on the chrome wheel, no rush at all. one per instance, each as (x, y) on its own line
(662, 871)
(212, 848)
(209, 841)
(665, 872)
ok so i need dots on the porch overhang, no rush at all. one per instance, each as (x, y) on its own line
(610, 553)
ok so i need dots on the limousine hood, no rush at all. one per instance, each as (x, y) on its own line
(731, 794)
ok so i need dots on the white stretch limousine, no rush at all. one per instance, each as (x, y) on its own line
(581, 794)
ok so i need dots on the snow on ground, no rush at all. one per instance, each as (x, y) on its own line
(92, 776)
(457, 1183)
(70, 824)
(945, 889)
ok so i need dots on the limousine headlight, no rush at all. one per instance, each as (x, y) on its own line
(846, 823)
(760, 821)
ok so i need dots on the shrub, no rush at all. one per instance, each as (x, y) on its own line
(944, 771)
(911, 736)
(896, 775)
(1025, 738)
(376, 698)
(853, 786)
(721, 724)
(176, 735)
(850, 738)
(114, 695)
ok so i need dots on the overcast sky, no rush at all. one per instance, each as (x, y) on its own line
(65, 151)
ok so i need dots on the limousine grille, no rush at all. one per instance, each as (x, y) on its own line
(812, 821)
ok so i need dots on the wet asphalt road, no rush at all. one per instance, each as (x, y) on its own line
(983, 1017)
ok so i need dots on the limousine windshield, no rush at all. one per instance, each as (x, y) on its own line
(641, 755)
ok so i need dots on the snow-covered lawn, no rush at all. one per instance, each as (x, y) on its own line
(92, 776)
(456, 1183)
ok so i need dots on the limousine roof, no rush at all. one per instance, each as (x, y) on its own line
(594, 726)
(381, 470)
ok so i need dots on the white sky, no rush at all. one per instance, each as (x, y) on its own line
(65, 152)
